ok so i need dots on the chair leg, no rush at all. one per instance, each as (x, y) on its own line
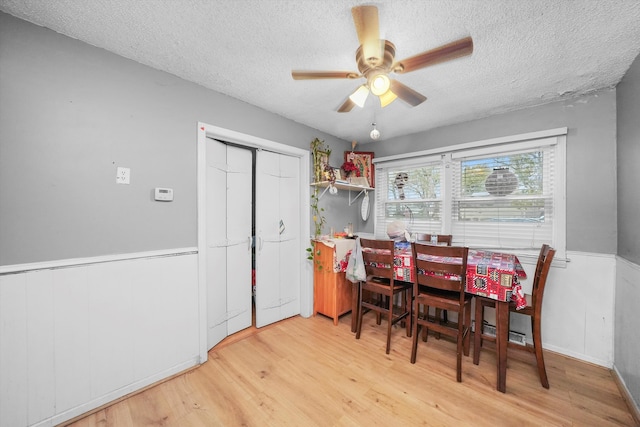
(537, 346)
(459, 345)
(360, 310)
(408, 296)
(389, 322)
(467, 328)
(415, 332)
(477, 334)
(425, 330)
(438, 320)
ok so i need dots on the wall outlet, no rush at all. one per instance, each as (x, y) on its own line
(123, 175)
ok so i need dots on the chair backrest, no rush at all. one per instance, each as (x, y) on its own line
(441, 238)
(543, 253)
(540, 277)
(440, 267)
(377, 256)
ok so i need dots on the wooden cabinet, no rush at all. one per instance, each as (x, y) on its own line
(331, 290)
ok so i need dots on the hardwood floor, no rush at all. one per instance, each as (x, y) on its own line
(308, 372)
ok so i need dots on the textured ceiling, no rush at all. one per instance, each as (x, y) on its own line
(525, 52)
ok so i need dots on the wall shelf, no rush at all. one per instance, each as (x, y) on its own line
(342, 185)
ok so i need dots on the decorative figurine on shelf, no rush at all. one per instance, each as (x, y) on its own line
(329, 174)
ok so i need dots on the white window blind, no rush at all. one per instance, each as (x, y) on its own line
(503, 199)
(411, 193)
(505, 193)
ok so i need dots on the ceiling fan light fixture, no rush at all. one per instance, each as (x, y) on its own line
(379, 84)
(376, 60)
(387, 98)
(360, 96)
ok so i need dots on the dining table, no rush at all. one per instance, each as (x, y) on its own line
(490, 274)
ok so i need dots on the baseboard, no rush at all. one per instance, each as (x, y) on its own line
(88, 408)
(578, 356)
(631, 404)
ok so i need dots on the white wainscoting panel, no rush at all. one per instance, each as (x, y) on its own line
(14, 389)
(627, 344)
(578, 308)
(41, 365)
(74, 338)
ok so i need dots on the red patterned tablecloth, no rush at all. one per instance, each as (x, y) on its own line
(490, 274)
(495, 275)
(342, 251)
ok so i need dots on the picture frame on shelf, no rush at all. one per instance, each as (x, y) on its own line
(364, 162)
(338, 174)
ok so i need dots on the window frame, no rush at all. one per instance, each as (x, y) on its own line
(555, 138)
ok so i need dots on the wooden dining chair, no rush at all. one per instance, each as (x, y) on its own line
(381, 287)
(440, 277)
(440, 239)
(533, 310)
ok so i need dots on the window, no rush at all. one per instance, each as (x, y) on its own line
(413, 194)
(498, 194)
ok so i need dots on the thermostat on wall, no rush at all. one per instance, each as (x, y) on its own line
(164, 194)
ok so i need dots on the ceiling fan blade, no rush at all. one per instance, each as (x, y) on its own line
(311, 75)
(347, 106)
(444, 53)
(367, 26)
(407, 94)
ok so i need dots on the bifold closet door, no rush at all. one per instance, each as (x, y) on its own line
(278, 237)
(229, 208)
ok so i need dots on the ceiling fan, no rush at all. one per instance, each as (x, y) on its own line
(376, 60)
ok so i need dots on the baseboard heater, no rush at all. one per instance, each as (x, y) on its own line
(514, 337)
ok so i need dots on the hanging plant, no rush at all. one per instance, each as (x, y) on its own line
(318, 221)
(320, 155)
(317, 213)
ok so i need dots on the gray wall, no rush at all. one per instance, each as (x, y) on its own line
(70, 114)
(628, 164)
(627, 322)
(591, 158)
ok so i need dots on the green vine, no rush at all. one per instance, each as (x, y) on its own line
(320, 153)
(317, 213)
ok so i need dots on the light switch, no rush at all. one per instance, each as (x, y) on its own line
(123, 175)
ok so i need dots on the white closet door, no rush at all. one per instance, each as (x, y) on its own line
(229, 190)
(278, 231)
